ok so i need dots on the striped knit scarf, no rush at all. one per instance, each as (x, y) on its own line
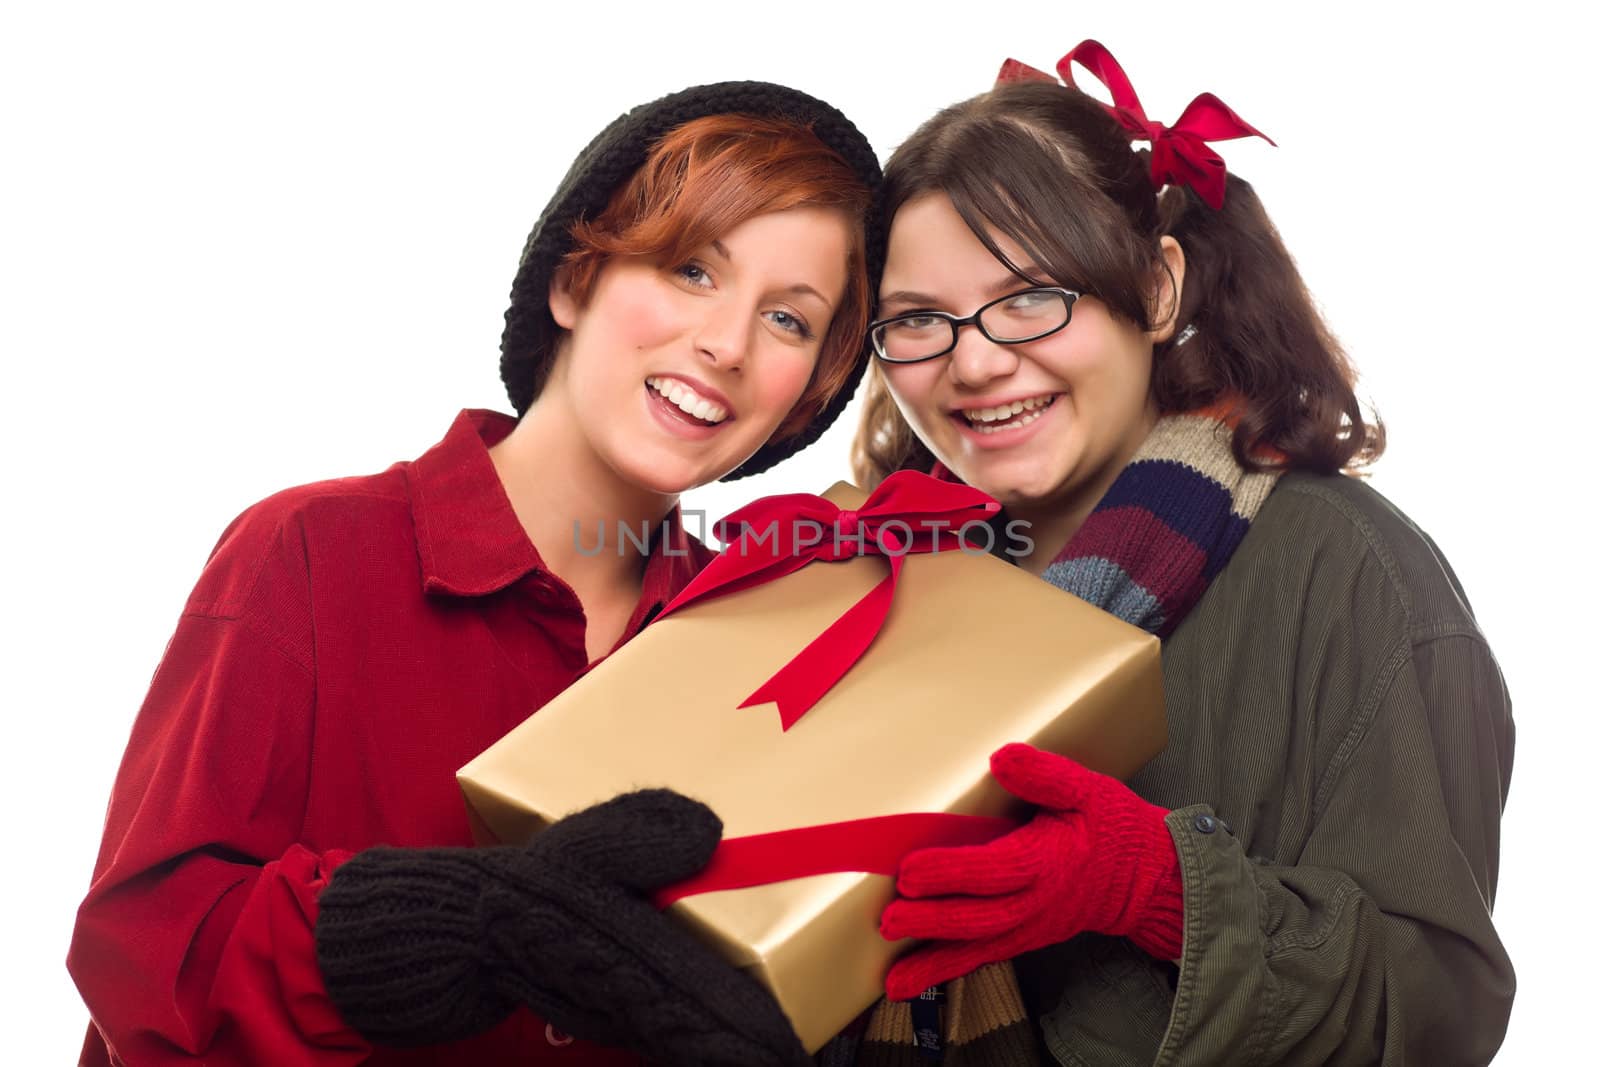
(1146, 553)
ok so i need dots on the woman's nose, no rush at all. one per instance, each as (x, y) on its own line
(723, 336)
(976, 361)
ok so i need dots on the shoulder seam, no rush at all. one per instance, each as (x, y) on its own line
(234, 608)
(1398, 657)
(1374, 540)
(244, 622)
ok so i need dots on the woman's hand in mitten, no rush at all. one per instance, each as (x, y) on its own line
(419, 946)
(1095, 857)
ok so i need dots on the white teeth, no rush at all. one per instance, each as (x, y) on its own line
(1005, 411)
(687, 399)
(1034, 406)
(1029, 417)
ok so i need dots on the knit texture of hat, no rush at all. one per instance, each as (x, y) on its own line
(527, 347)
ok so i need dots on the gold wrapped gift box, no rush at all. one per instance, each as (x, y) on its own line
(975, 653)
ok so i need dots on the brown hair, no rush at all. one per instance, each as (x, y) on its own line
(708, 176)
(1045, 165)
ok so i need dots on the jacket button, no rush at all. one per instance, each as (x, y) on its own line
(1205, 824)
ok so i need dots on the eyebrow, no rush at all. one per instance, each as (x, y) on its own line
(802, 289)
(1006, 283)
(798, 289)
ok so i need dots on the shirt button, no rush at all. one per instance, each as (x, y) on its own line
(1205, 824)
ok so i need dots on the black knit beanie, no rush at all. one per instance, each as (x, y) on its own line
(527, 346)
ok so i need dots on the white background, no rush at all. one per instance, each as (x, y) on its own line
(247, 247)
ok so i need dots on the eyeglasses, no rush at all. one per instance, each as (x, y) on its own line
(1011, 320)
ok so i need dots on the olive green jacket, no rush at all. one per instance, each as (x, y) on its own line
(1340, 748)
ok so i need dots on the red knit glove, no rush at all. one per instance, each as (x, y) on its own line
(1095, 857)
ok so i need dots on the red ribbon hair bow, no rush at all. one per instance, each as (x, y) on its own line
(1179, 154)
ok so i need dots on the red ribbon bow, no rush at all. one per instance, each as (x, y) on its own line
(909, 512)
(1179, 154)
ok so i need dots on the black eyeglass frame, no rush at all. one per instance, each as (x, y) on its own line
(1071, 296)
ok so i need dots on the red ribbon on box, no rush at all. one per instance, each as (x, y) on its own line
(909, 512)
(875, 846)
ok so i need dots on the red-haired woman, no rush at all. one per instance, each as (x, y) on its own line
(690, 306)
(1306, 874)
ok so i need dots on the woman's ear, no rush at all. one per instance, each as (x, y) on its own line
(563, 305)
(1169, 291)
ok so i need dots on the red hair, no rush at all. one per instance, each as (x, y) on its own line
(708, 176)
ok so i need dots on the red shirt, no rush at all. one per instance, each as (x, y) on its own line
(349, 646)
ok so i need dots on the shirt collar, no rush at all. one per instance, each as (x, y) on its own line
(469, 540)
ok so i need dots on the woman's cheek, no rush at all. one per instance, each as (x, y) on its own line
(788, 383)
(650, 316)
(911, 387)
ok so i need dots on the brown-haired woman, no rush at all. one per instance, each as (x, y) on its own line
(1306, 874)
(690, 306)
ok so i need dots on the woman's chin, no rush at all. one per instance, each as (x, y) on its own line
(1016, 485)
(662, 484)
(670, 475)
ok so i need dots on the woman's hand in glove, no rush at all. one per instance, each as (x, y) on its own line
(1095, 857)
(420, 946)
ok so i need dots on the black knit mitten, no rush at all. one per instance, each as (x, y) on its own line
(420, 946)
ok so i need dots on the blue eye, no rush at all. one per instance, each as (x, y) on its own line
(790, 323)
(694, 274)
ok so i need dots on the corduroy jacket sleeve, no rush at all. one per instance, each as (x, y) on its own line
(1376, 945)
(195, 942)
